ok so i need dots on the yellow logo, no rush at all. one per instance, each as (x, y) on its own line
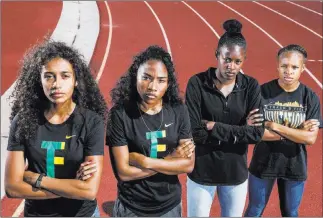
(69, 136)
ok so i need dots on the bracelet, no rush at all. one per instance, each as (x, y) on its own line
(38, 181)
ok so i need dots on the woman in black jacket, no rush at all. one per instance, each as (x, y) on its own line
(218, 102)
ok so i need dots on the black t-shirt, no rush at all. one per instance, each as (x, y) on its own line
(58, 150)
(284, 159)
(157, 194)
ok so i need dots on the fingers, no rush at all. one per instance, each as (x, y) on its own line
(86, 170)
(312, 129)
(252, 112)
(189, 148)
(255, 120)
(311, 125)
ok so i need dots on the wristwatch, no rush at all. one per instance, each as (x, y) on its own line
(38, 181)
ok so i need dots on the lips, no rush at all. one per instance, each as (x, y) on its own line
(288, 78)
(56, 94)
(149, 95)
(230, 73)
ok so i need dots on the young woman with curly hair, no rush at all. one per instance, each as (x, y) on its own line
(57, 124)
(149, 135)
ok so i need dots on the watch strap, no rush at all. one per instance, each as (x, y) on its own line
(38, 181)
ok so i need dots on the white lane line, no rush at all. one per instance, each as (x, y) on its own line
(315, 60)
(272, 38)
(205, 21)
(98, 77)
(161, 27)
(202, 18)
(312, 31)
(59, 35)
(19, 209)
(304, 8)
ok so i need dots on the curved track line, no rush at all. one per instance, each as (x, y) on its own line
(108, 45)
(202, 18)
(19, 209)
(309, 72)
(304, 7)
(305, 27)
(161, 27)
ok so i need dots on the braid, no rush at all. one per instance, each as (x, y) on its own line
(233, 35)
(291, 48)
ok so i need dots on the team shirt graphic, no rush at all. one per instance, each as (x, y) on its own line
(51, 160)
(291, 114)
(155, 147)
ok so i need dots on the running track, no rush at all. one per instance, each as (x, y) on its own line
(189, 31)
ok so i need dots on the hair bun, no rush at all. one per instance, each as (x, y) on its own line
(232, 26)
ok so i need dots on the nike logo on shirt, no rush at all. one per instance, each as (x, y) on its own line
(69, 136)
(167, 125)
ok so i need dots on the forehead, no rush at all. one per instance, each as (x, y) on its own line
(232, 51)
(153, 68)
(291, 56)
(58, 64)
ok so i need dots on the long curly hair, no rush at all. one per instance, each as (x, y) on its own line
(125, 92)
(29, 100)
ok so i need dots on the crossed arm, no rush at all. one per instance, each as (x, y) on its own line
(133, 166)
(19, 183)
(307, 134)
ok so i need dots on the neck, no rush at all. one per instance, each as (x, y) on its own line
(220, 79)
(61, 110)
(151, 108)
(287, 87)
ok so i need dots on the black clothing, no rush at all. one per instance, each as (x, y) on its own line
(284, 159)
(57, 151)
(158, 194)
(221, 154)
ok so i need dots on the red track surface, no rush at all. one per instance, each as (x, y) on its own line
(192, 45)
(22, 23)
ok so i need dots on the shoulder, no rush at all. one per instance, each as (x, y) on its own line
(268, 85)
(199, 78)
(248, 80)
(309, 93)
(88, 116)
(179, 110)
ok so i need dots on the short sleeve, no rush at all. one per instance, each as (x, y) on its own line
(185, 131)
(313, 107)
(94, 144)
(13, 141)
(115, 131)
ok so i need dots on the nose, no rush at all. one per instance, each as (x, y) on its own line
(57, 82)
(230, 65)
(289, 71)
(153, 85)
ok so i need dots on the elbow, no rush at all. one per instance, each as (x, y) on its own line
(189, 169)
(11, 191)
(310, 141)
(190, 166)
(122, 177)
(91, 195)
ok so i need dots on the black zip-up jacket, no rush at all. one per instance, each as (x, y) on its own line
(221, 154)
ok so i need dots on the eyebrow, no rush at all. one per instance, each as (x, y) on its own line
(160, 77)
(62, 72)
